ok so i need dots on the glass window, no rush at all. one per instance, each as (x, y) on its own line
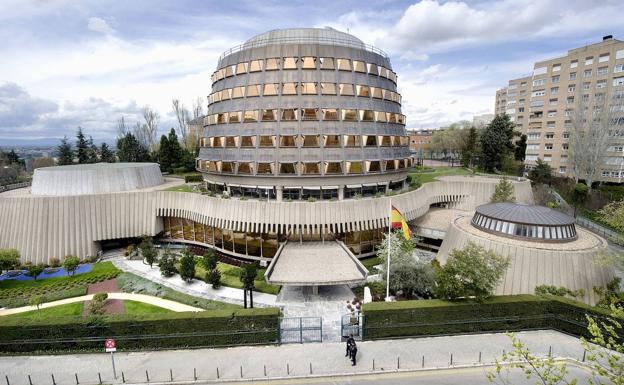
(241, 68)
(288, 141)
(222, 118)
(218, 141)
(374, 166)
(331, 141)
(248, 141)
(363, 91)
(238, 92)
(272, 64)
(386, 141)
(328, 88)
(265, 168)
(352, 141)
(309, 113)
(370, 140)
(349, 115)
(344, 64)
(269, 115)
(290, 114)
(255, 65)
(329, 114)
(229, 71)
(311, 141)
(289, 89)
(327, 63)
(267, 141)
(346, 89)
(251, 116)
(312, 168)
(359, 66)
(225, 94)
(380, 116)
(390, 165)
(376, 92)
(373, 69)
(236, 117)
(333, 168)
(308, 89)
(309, 63)
(290, 63)
(287, 168)
(227, 167)
(367, 115)
(230, 141)
(253, 91)
(354, 167)
(270, 89)
(245, 168)
(387, 95)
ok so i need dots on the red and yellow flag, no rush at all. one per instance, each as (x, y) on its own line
(398, 222)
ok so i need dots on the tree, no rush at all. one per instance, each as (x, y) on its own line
(182, 115)
(35, 270)
(152, 119)
(247, 277)
(43, 161)
(470, 149)
(594, 120)
(470, 272)
(503, 192)
(187, 266)
(175, 151)
(97, 304)
(12, 157)
(106, 155)
(613, 214)
(122, 127)
(519, 151)
(164, 155)
(148, 251)
(167, 264)
(82, 147)
(213, 277)
(70, 264)
(66, 154)
(130, 150)
(92, 151)
(541, 173)
(497, 142)
(9, 259)
(579, 196)
(209, 260)
(37, 300)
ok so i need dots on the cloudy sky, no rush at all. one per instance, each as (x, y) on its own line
(65, 63)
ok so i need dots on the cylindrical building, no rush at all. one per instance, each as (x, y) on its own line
(304, 113)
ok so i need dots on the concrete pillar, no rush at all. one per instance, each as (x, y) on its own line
(315, 290)
(341, 193)
(280, 193)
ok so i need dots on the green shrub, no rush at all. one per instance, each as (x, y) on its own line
(193, 178)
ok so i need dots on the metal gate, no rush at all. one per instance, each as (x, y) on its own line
(300, 330)
(352, 324)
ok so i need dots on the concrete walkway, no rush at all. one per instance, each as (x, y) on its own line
(195, 288)
(286, 361)
(160, 302)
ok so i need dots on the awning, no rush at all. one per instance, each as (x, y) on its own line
(266, 187)
(247, 186)
(219, 183)
(369, 184)
(354, 186)
(311, 187)
(382, 184)
(233, 185)
(292, 188)
(330, 187)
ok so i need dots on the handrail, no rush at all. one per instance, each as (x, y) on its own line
(299, 40)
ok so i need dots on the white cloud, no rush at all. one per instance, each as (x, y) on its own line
(97, 24)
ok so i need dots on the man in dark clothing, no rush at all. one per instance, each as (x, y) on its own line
(350, 343)
(353, 353)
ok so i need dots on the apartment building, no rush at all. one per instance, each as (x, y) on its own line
(543, 104)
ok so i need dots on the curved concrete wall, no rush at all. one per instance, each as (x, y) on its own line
(46, 227)
(95, 178)
(571, 265)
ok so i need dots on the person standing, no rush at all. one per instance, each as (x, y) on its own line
(350, 343)
(353, 353)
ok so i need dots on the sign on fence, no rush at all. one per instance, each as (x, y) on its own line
(110, 345)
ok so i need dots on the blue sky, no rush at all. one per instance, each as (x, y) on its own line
(66, 63)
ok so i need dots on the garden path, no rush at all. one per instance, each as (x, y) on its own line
(160, 302)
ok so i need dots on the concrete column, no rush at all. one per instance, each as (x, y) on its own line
(280, 193)
(341, 193)
(315, 290)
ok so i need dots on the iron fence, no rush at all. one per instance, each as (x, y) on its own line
(300, 330)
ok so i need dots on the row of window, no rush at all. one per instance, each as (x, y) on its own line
(547, 146)
(303, 168)
(292, 141)
(303, 88)
(587, 74)
(612, 174)
(305, 63)
(525, 231)
(548, 135)
(589, 60)
(304, 114)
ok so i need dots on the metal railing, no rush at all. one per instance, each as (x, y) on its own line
(14, 186)
(304, 40)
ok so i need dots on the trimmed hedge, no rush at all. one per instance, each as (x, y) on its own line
(497, 314)
(145, 331)
(193, 178)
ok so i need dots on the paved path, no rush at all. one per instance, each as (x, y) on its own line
(160, 302)
(280, 361)
(196, 288)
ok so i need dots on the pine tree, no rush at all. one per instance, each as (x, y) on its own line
(82, 147)
(470, 148)
(12, 157)
(92, 151)
(130, 150)
(175, 151)
(520, 148)
(164, 154)
(66, 155)
(106, 155)
(503, 192)
(497, 142)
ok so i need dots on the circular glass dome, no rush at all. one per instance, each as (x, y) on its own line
(526, 222)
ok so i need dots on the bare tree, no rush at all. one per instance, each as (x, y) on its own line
(141, 134)
(182, 114)
(593, 124)
(122, 128)
(198, 108)
(152, 119)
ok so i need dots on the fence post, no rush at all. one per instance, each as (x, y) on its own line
(398, 362)
(265, 370)
(99, 378)
(583, 360)
(195, 374)
(310, 368)
(423, 361)
(146, 375)
(76, 375)
(30, 380)
(123, 377)
(479, 357)
(287, 369)
(53, 380)
(451, 359)
(373, 364)
(550, 351)
(171, 375)
(217, 372)
(7, 379)
(241, 371)
(300, 331)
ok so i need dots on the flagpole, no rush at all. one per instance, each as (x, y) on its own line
(388, 247)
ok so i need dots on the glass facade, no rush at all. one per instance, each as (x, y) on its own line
(531, 232)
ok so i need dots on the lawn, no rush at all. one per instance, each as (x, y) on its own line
(430, 174)
(134, 307)
(70, 309)
(131, 283)
(181, 188)
(370, 264)
(230, 277)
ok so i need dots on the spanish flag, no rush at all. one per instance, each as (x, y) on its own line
(398, 222)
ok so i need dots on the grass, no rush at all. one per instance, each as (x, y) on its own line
(430, 174)
(183, 174)
(131, 283)
(134, 307)
(230, 277)
(100, 270)
(181, 188)
(370, 264)
(67, 310)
